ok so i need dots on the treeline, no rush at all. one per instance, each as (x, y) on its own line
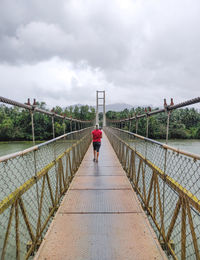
(184, 123)
(15, 122)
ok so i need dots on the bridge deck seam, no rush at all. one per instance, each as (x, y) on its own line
(82, 213)
(102, 175)
(103, 189)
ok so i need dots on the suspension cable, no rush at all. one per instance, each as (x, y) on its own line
(170, 108)
(30, 107)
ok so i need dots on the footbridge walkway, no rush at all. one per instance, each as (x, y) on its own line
(100, 216)
(140, 201)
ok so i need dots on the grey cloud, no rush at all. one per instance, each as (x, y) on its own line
(93, 36)
(64, 96)
(132, 48)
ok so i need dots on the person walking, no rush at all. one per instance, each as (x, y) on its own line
(96, 136)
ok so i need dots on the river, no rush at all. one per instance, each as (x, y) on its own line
(192, 146)
(12, 147)
(15, 172)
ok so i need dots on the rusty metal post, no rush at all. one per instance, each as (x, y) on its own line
(33, 129)
(97, 108)
(64, 126)
(168, 117)
(167, 129)
(136, 125)
(32, 118)
(129, 127)
(104, 109)
(53, 126)
(70, 125)
(147, 127)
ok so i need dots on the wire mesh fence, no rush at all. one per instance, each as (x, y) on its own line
(168, 186)
(32, 184)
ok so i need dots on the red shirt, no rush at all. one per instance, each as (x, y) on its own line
(97, 135)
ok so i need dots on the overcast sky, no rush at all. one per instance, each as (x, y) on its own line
(138, 51)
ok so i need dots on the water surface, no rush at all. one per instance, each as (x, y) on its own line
(12, 147)
(192, 146)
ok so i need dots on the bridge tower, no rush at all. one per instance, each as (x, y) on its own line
(100, 96)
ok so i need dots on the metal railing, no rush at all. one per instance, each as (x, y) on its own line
(32, 184)
(167, 182)
(166, 108)
(34, 107)
(126, 123)
(78, 124)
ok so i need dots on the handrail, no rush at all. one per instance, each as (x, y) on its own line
(4, 204)
(36, 147)
(166, 108)
(165, 146)
(32, 185)
(34, 108)
(167, 187)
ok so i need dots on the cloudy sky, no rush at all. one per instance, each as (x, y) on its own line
(138, 51)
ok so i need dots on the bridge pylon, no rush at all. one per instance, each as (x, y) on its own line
(100, 95)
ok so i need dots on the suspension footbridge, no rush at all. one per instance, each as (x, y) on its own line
(140, 201)
(100, 217)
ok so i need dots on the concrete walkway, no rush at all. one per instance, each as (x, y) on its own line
(100, 217)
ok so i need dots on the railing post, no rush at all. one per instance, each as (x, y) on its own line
(129, 127)
(167, 129)
(64, 126)
(147, 126)
(165, 166)
(33, 129)
(70, 125)
(166, 107)
(32, 118)
(136, 125)
(53, 126)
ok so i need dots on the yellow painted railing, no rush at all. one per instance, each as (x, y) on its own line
(167, 182)
(32, 185)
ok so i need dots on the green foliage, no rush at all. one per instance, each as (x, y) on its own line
(184, 123)
(15, 123)
(197, 133)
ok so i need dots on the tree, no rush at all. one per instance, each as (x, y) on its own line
(184, 123)
(15, 122)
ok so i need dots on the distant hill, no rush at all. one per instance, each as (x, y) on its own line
(111, 107)
(118, 107)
